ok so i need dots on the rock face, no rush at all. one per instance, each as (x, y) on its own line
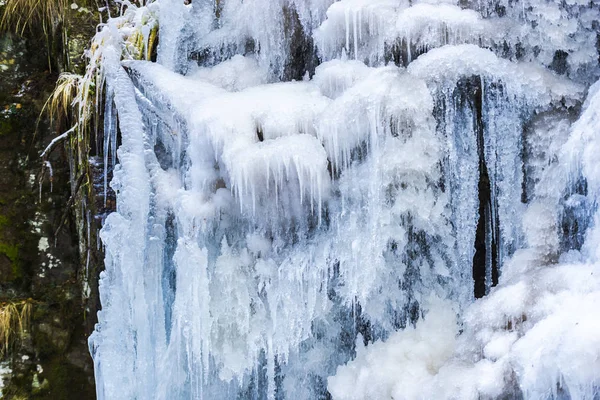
(39, 263)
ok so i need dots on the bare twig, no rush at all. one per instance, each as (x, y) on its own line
(54, 141)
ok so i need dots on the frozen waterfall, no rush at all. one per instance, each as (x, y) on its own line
(355, 199)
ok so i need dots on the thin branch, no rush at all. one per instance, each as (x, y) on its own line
(57, 139)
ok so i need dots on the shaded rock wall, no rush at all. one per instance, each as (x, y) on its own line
(39, 262)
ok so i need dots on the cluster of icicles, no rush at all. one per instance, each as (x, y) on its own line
(265, 229)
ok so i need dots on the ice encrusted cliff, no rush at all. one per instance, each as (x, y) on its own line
(299, 178)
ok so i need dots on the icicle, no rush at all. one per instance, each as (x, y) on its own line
(355, 32)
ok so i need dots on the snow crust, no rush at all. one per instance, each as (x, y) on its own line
(425, 26)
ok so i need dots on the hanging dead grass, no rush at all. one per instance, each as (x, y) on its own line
(20, 15)
(60, 101)
(15, 321)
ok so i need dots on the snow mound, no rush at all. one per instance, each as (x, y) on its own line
(386, 101)
(426, 26)
(444, 66)
(538, 333)
(235, 74)
(334, 77)
(398, 367)
(239, 130)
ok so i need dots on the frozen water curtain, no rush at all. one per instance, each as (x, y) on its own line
(361, 199)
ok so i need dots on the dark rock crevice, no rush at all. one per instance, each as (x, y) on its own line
(485, 267)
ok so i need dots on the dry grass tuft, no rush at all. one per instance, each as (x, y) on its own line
(15, 321)
(60, 101)
(20, 15)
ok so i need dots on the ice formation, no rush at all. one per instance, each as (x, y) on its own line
(368, 199)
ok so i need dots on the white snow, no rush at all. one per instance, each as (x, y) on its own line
(426, 26)
(399, 367)
(447, 64)
(538, 335)
(235, 74)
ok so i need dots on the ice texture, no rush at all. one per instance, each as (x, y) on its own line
(356, 28)
(535, 336)
(312, 195)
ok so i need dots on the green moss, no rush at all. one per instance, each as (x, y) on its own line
(62, 381)
(5, 127)
(4, 221)
(13, 392)
(12, 252)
